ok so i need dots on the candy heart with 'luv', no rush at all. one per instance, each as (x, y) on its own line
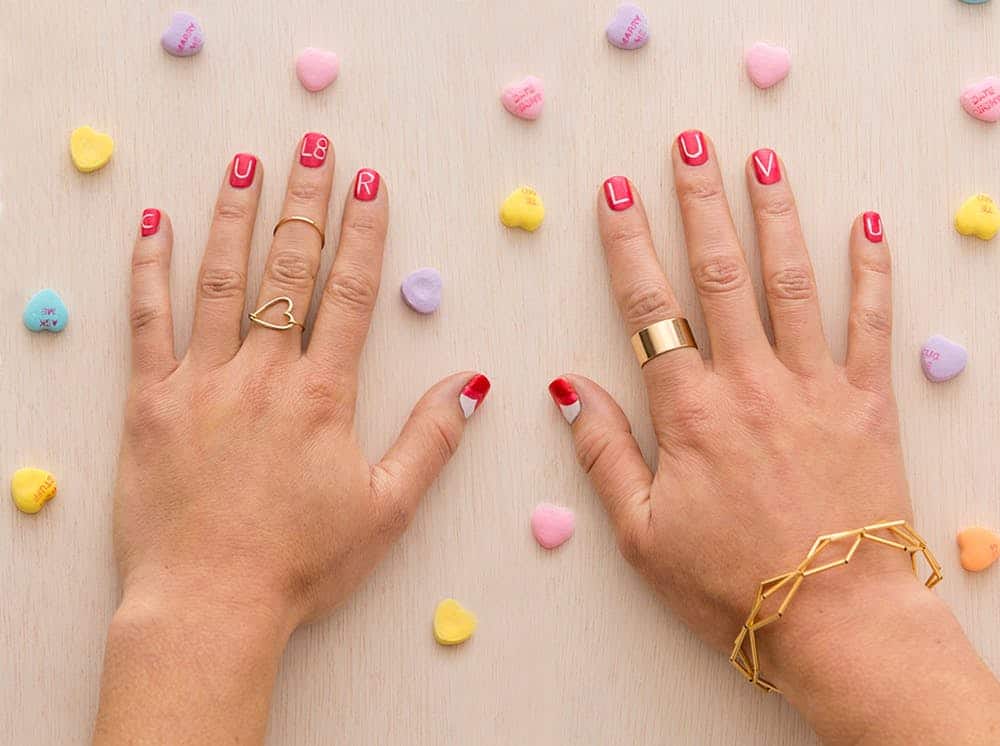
(31, 489)
(523, 209)
(978, 216)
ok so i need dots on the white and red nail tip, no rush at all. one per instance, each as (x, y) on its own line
(565, 396)
(473, 394)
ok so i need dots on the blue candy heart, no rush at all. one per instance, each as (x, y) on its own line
(46, 312)
(975, 2)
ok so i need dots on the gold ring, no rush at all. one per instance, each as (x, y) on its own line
(662, 337)
(301, 219)
(255, 316)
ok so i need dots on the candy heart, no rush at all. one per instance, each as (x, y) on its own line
(31, 489)
(552, 525)
(316, 68)
(942, 359)
(767, 64)
(979, 548)
(629, 27)
(523, 209)
(982, 99)
(184, 36)
(975, 2)
(978, 216)
(45, 312)
(524, 98)
(422, 290)
(453, 624)
(91, 150)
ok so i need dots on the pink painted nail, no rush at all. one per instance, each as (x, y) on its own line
(242, 172)
(150, 222)
(766, 167)
(315, 146)
(873, 226)
(692, 147)
(618, 193)
(366, 185)
(473, 394)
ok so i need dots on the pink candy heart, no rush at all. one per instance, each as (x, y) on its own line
(942, 359)
(524, 98)
(982, 99)
(552, 525)
(316, 68)
(767, 64)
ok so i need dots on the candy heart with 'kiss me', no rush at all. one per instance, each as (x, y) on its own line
(978, 216)
(523, 209)
(45, 312)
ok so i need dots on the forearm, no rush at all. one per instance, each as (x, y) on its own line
(187, 674)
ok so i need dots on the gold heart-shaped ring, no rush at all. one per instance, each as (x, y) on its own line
(255, 316)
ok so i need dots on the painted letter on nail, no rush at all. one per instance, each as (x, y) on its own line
(692, 147)
(150, 222)
(366, 185)
(618, 193)
(314, 150)
(473, 394)
(766, 166)
(565, 396)
(243, 170)
(873, 226)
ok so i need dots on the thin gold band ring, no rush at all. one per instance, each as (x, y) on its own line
(302, 219)
(290, 320)
(662, 337)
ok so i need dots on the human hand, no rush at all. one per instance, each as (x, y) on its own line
(762, 448)
(243, 498)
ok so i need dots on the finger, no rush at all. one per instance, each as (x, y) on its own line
(718, 266)
(352, 287)
(641, 290)
(151, 319)
(789, 282)
(609, 455)
(292, 263)
(427, 442)
(222, 280)
(869, 337)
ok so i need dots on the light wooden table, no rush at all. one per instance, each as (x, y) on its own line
(572, 647)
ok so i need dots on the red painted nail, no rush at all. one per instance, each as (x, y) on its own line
(473, 394)
(150, 222)
(618, 193)
(565, 396)
(692, 147)
(766, 166)
(242, 172)
(315, 146)
(366, 185)
(873, 226)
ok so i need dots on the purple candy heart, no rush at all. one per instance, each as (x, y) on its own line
(629, 28)
(942, 359)
(422, 290)
(184, 36)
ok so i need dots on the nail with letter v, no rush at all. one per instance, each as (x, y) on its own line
(243, 169)
(766, 167)
(618, 193)
(692, 147)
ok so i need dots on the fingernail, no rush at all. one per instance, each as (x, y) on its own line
(243, 170)
(366, 187)
(314, 149)
(473, 394)
(766, 166)
(565, 396)
(150, 222)
(873, 226)
(692, 147)
(618, 193)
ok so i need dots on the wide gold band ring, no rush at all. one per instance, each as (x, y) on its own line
(662, 337)
(302, 219)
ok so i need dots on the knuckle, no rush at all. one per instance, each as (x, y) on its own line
(291, 270)
(365, 226)
(149, 257)
(791, 283)
(150, 412)
(697, 192)
(626, 237)
(631, 545)
(144, 314)
(757, 404)
(691, 417)
(646, 299)
(719, 275)
(229, 211)
(443, 439)
(779, 208)
(222, 282)
(879, 417)
(872, 322)
(351, 291)
(306, 192)
(878, 268)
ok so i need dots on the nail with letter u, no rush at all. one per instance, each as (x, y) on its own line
(242, 171)
(692, 146)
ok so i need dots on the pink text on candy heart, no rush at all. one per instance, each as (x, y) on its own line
(632, 27)
(929, 354)
(524, 101)
(185, 37)
(989, 99)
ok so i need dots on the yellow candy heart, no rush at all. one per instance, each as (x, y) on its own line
(978, 217)
(980, 548)
(523, 209)
(453, 624)
(31, 489)
(91, 150)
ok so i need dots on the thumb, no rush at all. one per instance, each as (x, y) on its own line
(428, 441)
(609, 455)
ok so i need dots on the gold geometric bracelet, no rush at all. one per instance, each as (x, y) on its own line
(744, 655)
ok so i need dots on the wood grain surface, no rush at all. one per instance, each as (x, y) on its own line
(572, 647)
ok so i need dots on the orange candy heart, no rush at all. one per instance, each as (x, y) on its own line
(979, 547)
